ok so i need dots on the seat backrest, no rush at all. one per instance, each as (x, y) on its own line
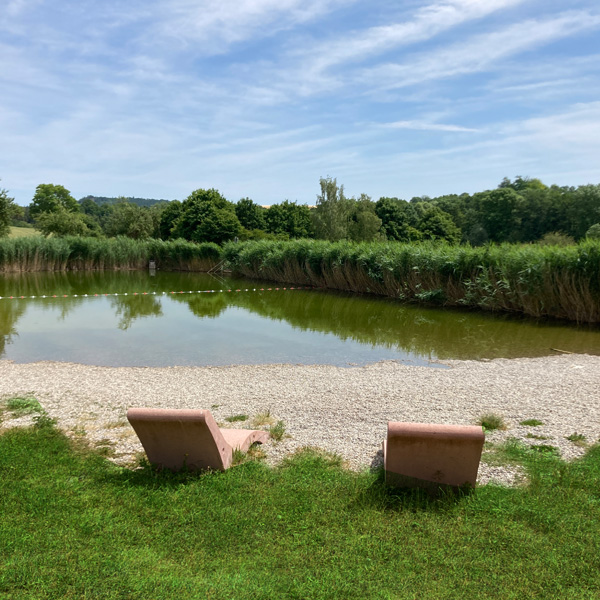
(178, 438)
(432, 453)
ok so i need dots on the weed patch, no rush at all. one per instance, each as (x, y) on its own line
(490, 422)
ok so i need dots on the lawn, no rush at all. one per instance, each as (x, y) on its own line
(74, 525)
(22, 232)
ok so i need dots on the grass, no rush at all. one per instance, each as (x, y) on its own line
(37, 253)
(236, 418)
(577, 438)
(490, 422)
(23, 405)
(76, 526)
(16, 232)
(263, 419)
(277, 431)
(539, 281)
(531, 423)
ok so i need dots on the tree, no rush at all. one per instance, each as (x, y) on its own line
(364, 224)
(499, 213)
(289, 219)
(129, 220)
(332, 212)
(593, 233)
(168, 218)
(398, 219)
(435, 224)
(50, 198)
(61, 222)
(250, 215)
(6, 212)
(206, 216)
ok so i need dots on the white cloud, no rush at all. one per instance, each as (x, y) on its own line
(481, 52)
(427, 126)
(426, 23)
(213, 25)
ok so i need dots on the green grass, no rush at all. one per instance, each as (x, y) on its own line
(16, 232)
(577, 438)
(23, 405)
(76, 526)
(236, 418)
(539, 281)
(490, 422)
(531, 423)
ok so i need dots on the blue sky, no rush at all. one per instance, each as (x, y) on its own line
(261, 98)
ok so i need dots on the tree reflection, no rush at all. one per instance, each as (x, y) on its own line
(131, 308)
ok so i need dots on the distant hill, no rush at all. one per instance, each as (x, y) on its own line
(139, 201)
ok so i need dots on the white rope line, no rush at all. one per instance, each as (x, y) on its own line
(52, 296)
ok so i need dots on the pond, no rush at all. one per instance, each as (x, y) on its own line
(135, 318)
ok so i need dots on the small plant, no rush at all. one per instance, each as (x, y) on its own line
(537, 437)
(546, 449)
(533, 436)
(490, 422)
(235, 418)
(239, 457)
(23, 406)
(262, 419)
(43, 421)
(531, 423)
(277, 431)
(577, 438)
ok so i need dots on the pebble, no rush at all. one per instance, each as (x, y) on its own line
(338, 409)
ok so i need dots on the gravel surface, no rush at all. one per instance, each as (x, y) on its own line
(341, 410)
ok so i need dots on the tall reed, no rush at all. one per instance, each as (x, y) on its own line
(77, 253)
(539, 281)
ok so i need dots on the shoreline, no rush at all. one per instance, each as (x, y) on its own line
(343, 410)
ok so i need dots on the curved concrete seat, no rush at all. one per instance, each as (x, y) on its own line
(432, 456)
(178, 438)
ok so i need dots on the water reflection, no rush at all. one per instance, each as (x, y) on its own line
(248, 327)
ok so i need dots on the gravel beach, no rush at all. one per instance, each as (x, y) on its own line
(341, 410)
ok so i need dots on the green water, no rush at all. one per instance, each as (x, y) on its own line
(250, 326)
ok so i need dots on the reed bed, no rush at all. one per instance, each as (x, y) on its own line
(26, 254)
(538, 281)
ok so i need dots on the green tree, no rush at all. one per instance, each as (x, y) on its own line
(250, 215)
(499, 213)
(331, 215)
(61, 222)
(289, 219)
(6, 212)
(168, 218)
(364, 224)
(398, 219)
(129, 220)
(435, 224)
(593, 233)
(206, 216)
(50, 198)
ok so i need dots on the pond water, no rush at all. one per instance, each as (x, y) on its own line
(141, 322)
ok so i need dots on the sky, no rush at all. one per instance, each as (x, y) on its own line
(262, 98)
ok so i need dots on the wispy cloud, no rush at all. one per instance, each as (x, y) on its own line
(427, 126)
(213, 25)
(480, 52)
(425, 24)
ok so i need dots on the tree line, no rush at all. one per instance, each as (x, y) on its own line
(523, 210)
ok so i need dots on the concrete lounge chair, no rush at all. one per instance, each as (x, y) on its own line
(432, 456)
(174, 439)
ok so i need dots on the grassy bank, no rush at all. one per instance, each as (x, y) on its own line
(37, 253)
(539, 281)
(74, 525)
